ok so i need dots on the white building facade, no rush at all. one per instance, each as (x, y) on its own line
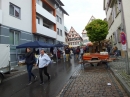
(22, 22)
(84, 32)
(85, 37)
(114, 18)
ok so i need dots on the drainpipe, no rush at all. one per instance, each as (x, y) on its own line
(123, 28)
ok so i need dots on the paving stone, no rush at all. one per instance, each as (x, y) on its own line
(92, 82)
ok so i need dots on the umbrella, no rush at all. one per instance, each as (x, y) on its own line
(35, 44)
(89, 44)
(59, 45)
(70, 45)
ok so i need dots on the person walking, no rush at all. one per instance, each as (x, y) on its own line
(64, 56)
(74, 52)
(77, 52)
(67, 53)
(81, 52)
(87, 49)
(58, 54)
(30, 61)
(42, 63)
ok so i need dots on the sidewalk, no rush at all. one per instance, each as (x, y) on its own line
(119, 70)
(16, 71)
(93, 82)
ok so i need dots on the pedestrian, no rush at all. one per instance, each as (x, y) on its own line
(64, 56)
(87, 49)
(109, 47)
(81, 52)
(84, 48)
(115, 51)
(30, 61)
(74, 52)
(51, 50)
(71, 53)
(42, 63)
(77, 52)
(58, 54)
(67, 53)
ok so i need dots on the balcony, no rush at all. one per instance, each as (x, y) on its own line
(111, 3)
(40, 10)
(46, 31)
(0, 16)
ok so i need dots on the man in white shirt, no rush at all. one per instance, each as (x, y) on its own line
(42, 62)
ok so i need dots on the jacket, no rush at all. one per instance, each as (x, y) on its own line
(67, 51)
(30, 58)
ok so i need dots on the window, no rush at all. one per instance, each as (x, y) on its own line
(58, 31)
(14, 37)
(36, 38)
(37, 1)
(60, 20)
(38, 20)
(117, 8)
(45, 25)
(14, 10)
(118, 35)
(57, 18)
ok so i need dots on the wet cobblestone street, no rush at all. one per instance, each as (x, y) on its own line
(93, 82)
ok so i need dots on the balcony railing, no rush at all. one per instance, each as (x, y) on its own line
(46, 31)
(40, 10)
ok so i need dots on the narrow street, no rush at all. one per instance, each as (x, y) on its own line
(60, 74)
(68, 79)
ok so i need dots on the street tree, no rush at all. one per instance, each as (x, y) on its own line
(97, 30)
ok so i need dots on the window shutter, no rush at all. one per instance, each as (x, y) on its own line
(115, 37)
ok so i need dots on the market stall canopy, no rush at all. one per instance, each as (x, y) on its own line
(65, 44)
(89, 44)
(35, 44)
(105, 41)
(70, 45)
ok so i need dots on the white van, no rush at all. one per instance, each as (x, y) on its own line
(4, 60)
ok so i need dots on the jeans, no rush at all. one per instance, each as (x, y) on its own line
(45, 72)
(81, 56)
(64, 57)
(29, 69)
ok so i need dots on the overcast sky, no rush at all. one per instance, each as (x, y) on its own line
(80, 11)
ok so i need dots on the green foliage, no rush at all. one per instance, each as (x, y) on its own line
(97, 30)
